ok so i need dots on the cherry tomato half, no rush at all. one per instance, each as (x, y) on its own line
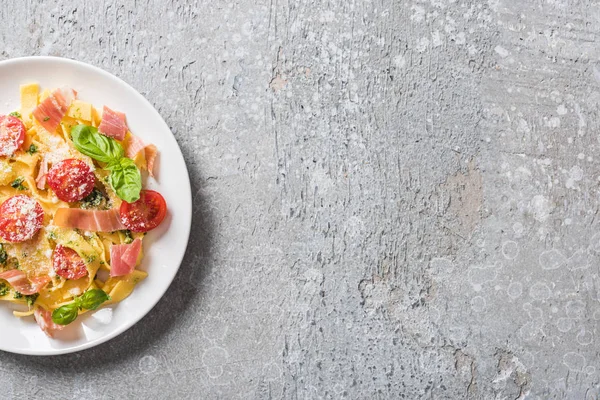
(67, 263)
(146, 213)
(12, 134)
(71, 180)
(20, 218)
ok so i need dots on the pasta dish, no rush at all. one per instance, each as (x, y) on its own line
(73, 211)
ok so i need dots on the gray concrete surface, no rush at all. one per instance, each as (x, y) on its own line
(392, 199)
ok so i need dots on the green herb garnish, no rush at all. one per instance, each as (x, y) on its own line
(18, 295)
(93, 144)
(90, 300)
(15, 114)
(66, 314)
(31, 299)
(4, 289)
(46, 119)
(3, 255)
(128, 236)
(125, 177)
(18, 184)
(32, 149)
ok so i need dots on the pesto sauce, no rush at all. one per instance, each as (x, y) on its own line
(4, 289)
(3, 255)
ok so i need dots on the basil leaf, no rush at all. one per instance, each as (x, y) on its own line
(65, 315)
(93, 298)
(93, 144)
(126, 179)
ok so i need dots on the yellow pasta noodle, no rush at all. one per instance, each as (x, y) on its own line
(29, 100)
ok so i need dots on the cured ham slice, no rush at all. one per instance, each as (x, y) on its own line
(41, 178)
(88, 220)
(44, 320)
(135, 145)
(131, 253)
(117, 266)
(51, 111)
(113, 124)
(18, 280)
(123, 257)
(151, 152)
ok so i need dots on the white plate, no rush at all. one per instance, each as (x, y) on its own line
(164, 247)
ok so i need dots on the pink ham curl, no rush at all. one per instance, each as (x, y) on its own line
(51, 111)
(123, 257)
(136, 145)
(41, 178)
(88, 220)
(151, 152)
(113, 124)
(44, 320)
(18, 280)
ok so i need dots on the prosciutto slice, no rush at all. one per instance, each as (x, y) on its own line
(151, 152)
(51, 111)
(18, 280)
(135, 145)
(113, 124)
(41, 178)
(123, 257)
(44, 320)
(88, 220)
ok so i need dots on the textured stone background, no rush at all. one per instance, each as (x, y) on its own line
(392, 199)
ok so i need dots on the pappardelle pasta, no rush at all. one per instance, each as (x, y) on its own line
(73, 213)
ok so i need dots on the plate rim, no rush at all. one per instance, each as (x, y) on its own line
(179, 259)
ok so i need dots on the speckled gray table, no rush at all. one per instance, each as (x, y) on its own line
(392, 199)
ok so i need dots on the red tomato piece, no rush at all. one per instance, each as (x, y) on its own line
(71, 180)
(12, 134)
(146, 213)
(67, 263)
(20, 218)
